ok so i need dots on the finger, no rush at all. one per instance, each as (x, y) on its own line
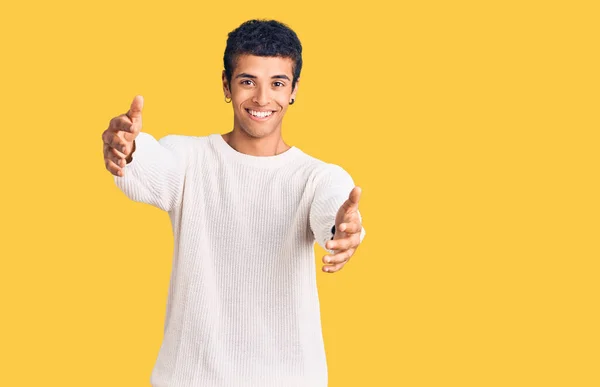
(334, 268)
(135, 110)
(119, 154)
(113, 168)
(350, 227)
(117, 157)
(342, 243)
(339, 257)
(121, 123)
(114, 141)
(112, 155)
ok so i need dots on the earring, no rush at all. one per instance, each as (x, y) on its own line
(292, 101)
(227, 100)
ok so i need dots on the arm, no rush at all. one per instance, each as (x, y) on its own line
(333, 186)
(155, 171)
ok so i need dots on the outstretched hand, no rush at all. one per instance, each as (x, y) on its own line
(119, 139)
(347, 233)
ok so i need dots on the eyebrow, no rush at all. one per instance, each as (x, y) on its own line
(246, 75)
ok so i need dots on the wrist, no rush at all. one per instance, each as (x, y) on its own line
(129, 158)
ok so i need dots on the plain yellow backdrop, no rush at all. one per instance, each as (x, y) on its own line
(472, 128)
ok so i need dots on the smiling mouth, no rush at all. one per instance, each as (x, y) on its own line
(259, 116)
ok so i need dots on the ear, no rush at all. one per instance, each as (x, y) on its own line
(295, 89)
(225, 85)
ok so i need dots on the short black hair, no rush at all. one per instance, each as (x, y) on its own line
(262, 37)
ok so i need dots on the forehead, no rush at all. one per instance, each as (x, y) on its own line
(263, 66)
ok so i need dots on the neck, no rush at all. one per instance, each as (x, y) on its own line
(271, 145)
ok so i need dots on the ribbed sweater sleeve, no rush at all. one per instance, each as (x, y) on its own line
(333, 187)
(157, 171)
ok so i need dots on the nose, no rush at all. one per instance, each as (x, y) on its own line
(261, 96)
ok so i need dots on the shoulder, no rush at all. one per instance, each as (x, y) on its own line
(320, 172)
(177, 139)
(184, 142)
(320, 168)
(334, 174)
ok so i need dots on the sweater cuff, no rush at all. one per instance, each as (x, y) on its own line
(143, 147)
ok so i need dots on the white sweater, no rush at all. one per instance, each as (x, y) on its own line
(242, 308)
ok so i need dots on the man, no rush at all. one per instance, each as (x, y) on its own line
(246, 209)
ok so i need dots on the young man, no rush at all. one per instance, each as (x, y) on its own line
(246, 209)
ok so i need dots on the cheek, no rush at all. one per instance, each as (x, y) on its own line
(241, 94)
(283, 101)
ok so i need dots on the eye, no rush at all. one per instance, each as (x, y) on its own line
(281, 83)
(246, 80)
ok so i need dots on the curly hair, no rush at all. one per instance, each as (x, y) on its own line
(262, 37)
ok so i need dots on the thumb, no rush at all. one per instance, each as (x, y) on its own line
(354, 197)
(351, 204)
(135, 111)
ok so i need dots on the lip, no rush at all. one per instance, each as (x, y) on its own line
(259, 118)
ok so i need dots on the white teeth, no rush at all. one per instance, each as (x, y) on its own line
(260, 114)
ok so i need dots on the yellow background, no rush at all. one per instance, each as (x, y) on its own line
(472, 128)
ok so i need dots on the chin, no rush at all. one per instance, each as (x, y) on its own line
(258, 131)
(255, 133)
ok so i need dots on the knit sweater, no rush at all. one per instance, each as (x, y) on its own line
(242, 306)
